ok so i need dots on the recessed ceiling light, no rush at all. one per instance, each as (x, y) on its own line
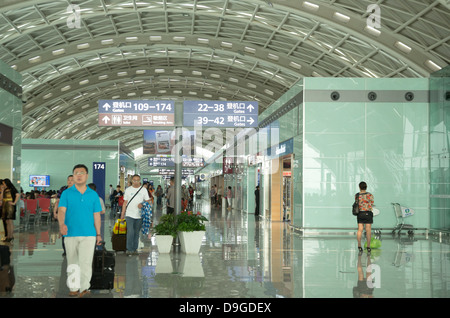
(341, 17)
(310, 6)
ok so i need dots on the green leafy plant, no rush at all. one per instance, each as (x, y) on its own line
(166, 226)
(190, 222)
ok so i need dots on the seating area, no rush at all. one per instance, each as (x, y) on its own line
(37, 210)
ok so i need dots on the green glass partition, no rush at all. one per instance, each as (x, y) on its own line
(439, 150)
(364, 130)
(58, 157)
(11, 117)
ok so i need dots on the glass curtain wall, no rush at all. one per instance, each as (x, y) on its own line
(11, 118)
(372, 130)
(440, 150)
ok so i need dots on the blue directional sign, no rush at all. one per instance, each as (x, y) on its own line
(220, 113)
(136, 113)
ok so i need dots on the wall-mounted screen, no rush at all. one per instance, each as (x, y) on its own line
(39, 181)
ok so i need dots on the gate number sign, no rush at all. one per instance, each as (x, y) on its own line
(136, 113)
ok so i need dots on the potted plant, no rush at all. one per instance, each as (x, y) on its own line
(165, 232)
(191, 230)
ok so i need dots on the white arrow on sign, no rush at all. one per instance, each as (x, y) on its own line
(106, 119)
(250, 120)
(250, 107)
(107, 106)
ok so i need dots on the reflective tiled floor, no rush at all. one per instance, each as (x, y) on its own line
(243, 257)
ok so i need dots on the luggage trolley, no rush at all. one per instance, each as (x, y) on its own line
(400, 216)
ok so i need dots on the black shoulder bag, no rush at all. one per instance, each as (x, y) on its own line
(355, 207)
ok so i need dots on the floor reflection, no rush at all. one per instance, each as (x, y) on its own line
(243, 257)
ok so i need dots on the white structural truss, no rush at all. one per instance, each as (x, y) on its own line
(73, 53)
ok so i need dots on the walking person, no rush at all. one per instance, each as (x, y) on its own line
(184, 197)
(116, 195)
(212, 195)
(159, 193)
(133, 198)
(257, 200)
(219, 196)
(171, 196)
(229, 199)
(10, 198)
(79, 221)
(2, 187)
(365, 215)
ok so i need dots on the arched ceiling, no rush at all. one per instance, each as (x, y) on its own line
(202, 49)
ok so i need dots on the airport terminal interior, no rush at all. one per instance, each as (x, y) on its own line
(266, 115)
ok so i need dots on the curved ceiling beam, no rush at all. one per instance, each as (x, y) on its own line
(204, 43)
(64, 90)
(230, 15)
(153, 65)
(417, 58)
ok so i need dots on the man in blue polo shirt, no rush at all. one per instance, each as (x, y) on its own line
(79, 222)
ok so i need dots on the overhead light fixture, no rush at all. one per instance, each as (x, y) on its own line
(372, 30)
(249, 49)
(202, 41)
(433, 66)
(83, 46)
(310, 6)
(34, 59)
(341, 17)
(402, 47)
(226, 44)
(273, 57)
(295, 65)
(107, 42)
(59, 52)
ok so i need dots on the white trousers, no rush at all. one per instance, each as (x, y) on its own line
(79, 253)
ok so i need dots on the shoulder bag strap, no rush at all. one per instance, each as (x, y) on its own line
(134, 196)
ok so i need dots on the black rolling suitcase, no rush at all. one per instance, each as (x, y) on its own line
(5, 255)
(103, 269)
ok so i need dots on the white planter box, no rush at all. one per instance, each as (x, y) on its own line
(164, 243)
(191, 241)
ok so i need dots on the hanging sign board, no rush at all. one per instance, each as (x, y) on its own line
(136, 113)
(225, 114)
